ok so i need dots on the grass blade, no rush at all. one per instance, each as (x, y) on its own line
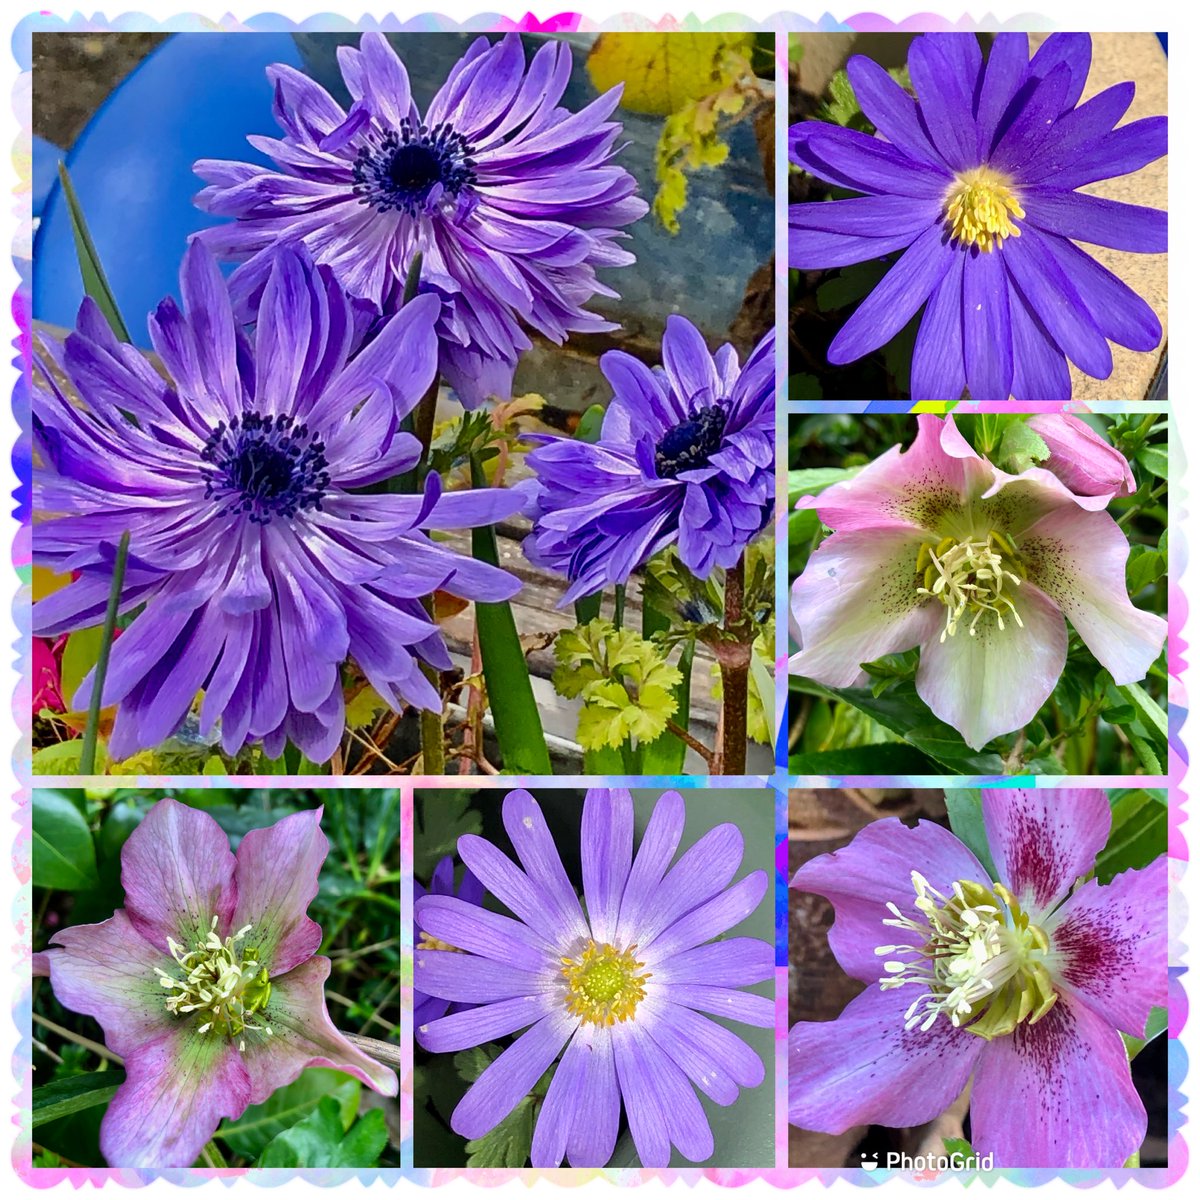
(87, 754)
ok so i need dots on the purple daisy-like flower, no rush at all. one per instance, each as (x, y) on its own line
(512, 200)
(1026, 982)
(470, 891)
(618, 992)
(686, 455)
(976, 181)
(207, 982)
(258, 566)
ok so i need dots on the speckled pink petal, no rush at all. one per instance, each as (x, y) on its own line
(177, 1089)
(177, 872)
(302, 1035)
(106, 971)
(276, 876)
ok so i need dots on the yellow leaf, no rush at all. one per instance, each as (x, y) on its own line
(45, 582)
(663, 71)
(364, 708)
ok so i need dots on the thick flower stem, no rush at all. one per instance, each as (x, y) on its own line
(733, 657)
(87, 752)
(423, 419)
(433, 737)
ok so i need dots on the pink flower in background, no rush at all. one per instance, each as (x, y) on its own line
(1081, 458)
(47, 675)
(207, 982)
(937, 548)
(1026, 983)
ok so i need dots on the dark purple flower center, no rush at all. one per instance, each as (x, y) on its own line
(265, 467)
(691, 443)
(412, 169)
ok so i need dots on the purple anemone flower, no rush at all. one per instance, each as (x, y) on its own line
(512, 200)
(257, 564)
(470, 891)
(975, 180)
(686, 455)
(207, 982)
(1025, 983)
(618, 992)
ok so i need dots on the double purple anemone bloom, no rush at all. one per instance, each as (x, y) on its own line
(258, 564)
(207, 982)
(618, 991)
(1023, 984)
(975, 180)
(512, 200)
(686, 456)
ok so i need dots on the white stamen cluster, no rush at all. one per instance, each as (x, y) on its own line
(970, 577)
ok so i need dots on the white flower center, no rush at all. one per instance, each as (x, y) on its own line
(222, 980)
(971, 577)
(976, 956)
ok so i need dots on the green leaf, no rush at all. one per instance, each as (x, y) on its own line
(1153, 719)
(1156, 1026)
(79, 657)
(1144, 567)
(1154, 459)
(64, 758)
(885, 758)
(321, 1140)
(472, 1063)
(505, 671)
(508, 1144)
(813, 480)
(902, 711)
(958, 1146)
(95, 283)
(964, 806)
(62, 1097)
(1138, 836)
(260, 1124)
(442, 818)
(64, 856)
(588, 429)
(665, 755)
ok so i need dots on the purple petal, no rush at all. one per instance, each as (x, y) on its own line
(1121, 152)
(1097, 220)
(475, 1026)
(717, 1061)
(864, 164)
(1057, 1094)
(731, 962)
(1110, 946)
(901, 292)
(1043, 839)
(686, 1125)
(728, 1003)
(178, 873)
(891, 110)
(708, 921)
(658, 845)
(276, 876)
(477, 931)
(1007, 68)
(1040, 371)
(176, 1091)
(1077, 130)
(472, 979)
(1073, 49)
(647, 1122)
(1034, 122)
(606, 845)
(946, 93)
(581, 1113)
(510, 1077)
(938, 369)
(865, 1068)
(987, 335)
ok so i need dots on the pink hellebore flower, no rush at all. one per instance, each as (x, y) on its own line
(1081, 458)
(935, 547)
(207, 982)
(1026, 983)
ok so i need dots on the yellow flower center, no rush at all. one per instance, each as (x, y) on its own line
(980, 207)
(428, 942)
(222, 980)
(971, 577)
(604, 984)
(979, 960)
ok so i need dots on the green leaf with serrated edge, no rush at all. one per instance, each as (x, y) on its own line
(95, 282)
(1156, 1026)
(64, 856)
(320, 1140)
(508, 1144)
(515, 716)
(62, 1097)
(260, 1124)
(964, 807)
(884, 758)
(472, 1063)
(1138, 836)
(902, 711)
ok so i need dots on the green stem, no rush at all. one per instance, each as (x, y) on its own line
(87, 755)
(433, 738)
(412, 280)
(733, 657)
(423, 419)
(619, 606)
(1133, 511)
(213, 1157)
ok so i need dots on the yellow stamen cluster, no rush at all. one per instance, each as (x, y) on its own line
(980, 207)
(604, 984)
(223, 981)
(979, 959)
(971, 576)
(428, 942)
